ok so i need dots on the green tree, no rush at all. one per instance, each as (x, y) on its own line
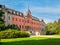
(1, 20)
(51, 28)
(59, 20)
(15, 27)
(58, 25)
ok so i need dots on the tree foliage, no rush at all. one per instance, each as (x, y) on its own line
(53, 28)
(1, 20)
(15, 27)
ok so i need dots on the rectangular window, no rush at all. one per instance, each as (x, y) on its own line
(20, 26)
(9, 17)
(22, 20)
(16, 19)
(19, 20)
(27, 21)
(12, 18)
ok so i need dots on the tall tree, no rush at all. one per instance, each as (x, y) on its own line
(1, 20)
(53, 28)
(59, 20)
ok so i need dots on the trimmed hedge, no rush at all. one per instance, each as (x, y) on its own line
(13, 34)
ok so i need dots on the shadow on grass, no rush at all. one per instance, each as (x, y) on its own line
(34, 42)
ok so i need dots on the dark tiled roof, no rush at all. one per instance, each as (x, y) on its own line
(34, 18)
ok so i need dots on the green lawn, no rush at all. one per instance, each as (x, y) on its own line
(31, 41)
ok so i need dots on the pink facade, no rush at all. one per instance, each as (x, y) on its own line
(26, 23)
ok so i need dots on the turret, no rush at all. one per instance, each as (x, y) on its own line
(28, 13)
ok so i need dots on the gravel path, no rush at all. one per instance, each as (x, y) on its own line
(49, 36)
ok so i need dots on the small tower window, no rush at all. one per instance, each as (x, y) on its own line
(27, 21)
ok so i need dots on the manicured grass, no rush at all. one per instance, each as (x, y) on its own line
(31, 41)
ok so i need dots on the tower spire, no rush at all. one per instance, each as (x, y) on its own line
(28, 12)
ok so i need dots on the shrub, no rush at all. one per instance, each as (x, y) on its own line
(13, 34)
(24, 34)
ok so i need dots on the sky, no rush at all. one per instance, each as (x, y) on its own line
(48, 10)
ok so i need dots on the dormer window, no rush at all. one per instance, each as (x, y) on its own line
(14, 12)
(17, 13)
(10, 11)
(0, 9)
(20, 13)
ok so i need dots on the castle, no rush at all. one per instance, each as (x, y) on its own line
(26, 22)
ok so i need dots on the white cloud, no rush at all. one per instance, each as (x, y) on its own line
(46, 10)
